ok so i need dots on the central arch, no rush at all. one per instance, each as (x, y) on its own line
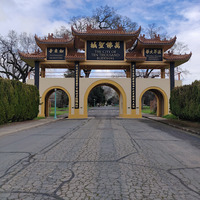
(118, 88)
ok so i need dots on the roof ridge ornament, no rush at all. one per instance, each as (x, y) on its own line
(170, 52)
(142, 36)
(157, 37)
(120, 28)
(37, 51)
(66, 36)
(89, 28)
(50, 36)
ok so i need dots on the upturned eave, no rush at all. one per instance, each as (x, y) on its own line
(177, 59)
(104, 34)
(54, 42)
(155, 43)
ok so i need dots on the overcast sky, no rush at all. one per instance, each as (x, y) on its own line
(179, 17)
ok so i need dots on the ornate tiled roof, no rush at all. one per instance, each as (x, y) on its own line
(35, 56)
(170, 57)
(52, 41)
(156, 40)
(75, 56)
(76, 43)
(105, 32)
(130, 44)
(135, 56)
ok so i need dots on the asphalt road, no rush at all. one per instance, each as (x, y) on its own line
(103, 157)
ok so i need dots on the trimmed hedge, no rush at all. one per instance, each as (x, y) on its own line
(18, 101)
(185, 101)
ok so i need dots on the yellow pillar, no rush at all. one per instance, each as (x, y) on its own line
(163, 73)
(128, 73)
(42, 72)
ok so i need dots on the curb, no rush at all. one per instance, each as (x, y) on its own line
(175, 126)
(28, 127)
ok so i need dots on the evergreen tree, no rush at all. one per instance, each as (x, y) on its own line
(96, 96)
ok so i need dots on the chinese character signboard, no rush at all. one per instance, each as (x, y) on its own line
(153, 54)
(77, 85)
(55, 53)
(133, 85)
(105, 50)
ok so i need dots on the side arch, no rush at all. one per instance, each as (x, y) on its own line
(162, 100)
(45, 94)
(118, 88)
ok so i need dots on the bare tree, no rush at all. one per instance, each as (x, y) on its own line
(11, 66)
(153, 29)
(104, 17)
(146, 73)
(62, 32)
(26, 42)
(81, 23)
(180, 48)
(70, 73)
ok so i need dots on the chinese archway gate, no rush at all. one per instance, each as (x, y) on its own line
(105, 49)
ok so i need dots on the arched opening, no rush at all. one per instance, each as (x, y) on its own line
(156, 100)
(113, 110)
(149, 103)
(63, 102)
(103, 100)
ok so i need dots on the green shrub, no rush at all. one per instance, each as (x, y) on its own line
(170, 116)
(18, 101)
(185, 101)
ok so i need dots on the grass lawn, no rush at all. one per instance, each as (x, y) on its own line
(146, 109)
(37, 118)
(59, 111)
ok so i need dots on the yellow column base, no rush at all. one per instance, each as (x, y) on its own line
(132, 115)
(41, 115)
(76, 115)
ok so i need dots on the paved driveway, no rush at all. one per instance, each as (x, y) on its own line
(100, 158)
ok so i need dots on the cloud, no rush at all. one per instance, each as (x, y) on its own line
(180, 18)
(187, 29)
(74, 4)
(31, 16)
(192, 14)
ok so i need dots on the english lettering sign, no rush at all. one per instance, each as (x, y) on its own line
(153, 54)
(55, 53)
(105, 50)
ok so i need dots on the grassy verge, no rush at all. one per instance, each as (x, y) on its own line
(170, 116)
(146, 109)
(59, 111)
(37, 118)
